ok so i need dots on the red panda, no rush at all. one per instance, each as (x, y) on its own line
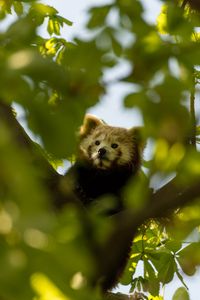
(107, 157)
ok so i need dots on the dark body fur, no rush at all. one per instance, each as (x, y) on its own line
(92, 183)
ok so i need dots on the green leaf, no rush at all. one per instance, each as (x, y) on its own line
(50, 27)
(149, 271)
(62, 20)
(56, 27)
(166, 269)
(173, 245)
(165, 265)
(98, 16)
(44, 10)
(152, 285)
(18, 8)
(162, 20)
(189, 258)
(135, 99)
(181, 294)
(117, 47)
(53, 26)
(197, 130)
(177, 23)
(128, 273)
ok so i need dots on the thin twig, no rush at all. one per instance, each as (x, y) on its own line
(192, 114)
(183, 5)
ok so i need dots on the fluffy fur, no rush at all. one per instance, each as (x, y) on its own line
(107, 157)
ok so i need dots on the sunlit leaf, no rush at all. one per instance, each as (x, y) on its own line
(44, 9)
(162, 20)
(45, 288)
(18, 7)
(155, 298)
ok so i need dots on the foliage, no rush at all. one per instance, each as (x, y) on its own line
(47, 255)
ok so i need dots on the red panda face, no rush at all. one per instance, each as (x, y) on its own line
(106, 147)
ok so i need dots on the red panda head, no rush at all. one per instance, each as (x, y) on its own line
(106, 147)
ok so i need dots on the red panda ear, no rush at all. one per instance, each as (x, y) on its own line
(138, 135)
(90, 122)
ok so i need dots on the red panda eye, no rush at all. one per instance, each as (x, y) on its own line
(114, 145)
(97, 143)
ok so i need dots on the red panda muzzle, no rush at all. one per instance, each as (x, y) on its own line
(101, 153)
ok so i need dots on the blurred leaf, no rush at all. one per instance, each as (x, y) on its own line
(5, 6)
(53, 26)
(181, 294)
(198, 130)
(98, 16)
(134, 99)
(155, 298)
(189, 258)
(117, 48)
(162, 20)
(136, 192)
(63, 21)
(178, 23)
(18, 7)
(22, 32)
(45, 288)
(44, 9)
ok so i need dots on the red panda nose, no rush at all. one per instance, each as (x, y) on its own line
(101, 152)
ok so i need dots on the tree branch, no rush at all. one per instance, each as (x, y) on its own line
(194, 4)
(119, 296)
(184, 3)
(160, 204)
(192, 114)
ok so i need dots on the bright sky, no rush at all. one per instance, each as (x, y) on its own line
(110, 109)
